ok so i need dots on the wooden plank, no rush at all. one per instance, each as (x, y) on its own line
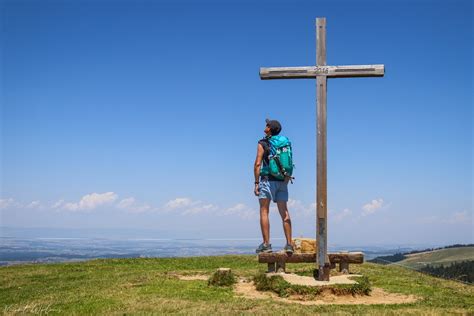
(321, 170)
(349, 257)
(312, 72)
(348, 71)
(291, 72)
(322, 259)
(281, 256)
(321, 41)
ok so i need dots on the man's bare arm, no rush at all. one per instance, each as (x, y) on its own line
(256, 168)
(258, 162)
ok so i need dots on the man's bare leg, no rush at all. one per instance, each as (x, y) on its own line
(264, 222)
(285, 217)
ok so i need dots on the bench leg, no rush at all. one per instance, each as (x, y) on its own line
(271, 267)
(280, 267)
(344, 267)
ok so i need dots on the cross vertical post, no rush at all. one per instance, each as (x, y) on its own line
(321, 72)
(323, 264)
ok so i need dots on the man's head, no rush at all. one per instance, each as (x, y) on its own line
(272, 128)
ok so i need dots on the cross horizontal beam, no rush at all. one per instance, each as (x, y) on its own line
(328, 71)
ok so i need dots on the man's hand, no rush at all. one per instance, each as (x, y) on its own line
(256, 191)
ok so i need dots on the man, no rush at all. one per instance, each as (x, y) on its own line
(269, 188)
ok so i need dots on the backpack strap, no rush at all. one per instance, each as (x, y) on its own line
(282, 170)
(266, 148)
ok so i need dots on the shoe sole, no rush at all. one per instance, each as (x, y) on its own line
(264, 251)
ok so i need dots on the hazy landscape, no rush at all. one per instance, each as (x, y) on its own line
(42, 246)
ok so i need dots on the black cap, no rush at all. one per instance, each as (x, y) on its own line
(275, 126)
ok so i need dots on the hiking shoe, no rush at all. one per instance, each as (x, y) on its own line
(264, 248)
(288, 249)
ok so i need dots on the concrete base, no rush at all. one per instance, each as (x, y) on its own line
(310, 281)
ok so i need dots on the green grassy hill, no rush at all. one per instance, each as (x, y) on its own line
(107, 286)
(438, 257)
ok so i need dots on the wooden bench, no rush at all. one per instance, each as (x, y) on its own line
(277, 260)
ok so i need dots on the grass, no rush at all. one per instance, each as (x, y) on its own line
(438, 257)
(220, 278)
(145, 285)
(278, 285)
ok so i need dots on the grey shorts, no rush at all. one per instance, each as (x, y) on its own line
(275, 190)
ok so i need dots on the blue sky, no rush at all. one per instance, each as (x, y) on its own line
(146, 115)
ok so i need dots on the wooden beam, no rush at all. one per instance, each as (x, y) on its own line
(322, 259)
(356, 71)
(281, 256)
(328, 71)
(349, 257)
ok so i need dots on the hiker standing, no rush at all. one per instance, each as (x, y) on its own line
(272, 171)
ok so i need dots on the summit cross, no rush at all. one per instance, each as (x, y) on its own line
(321, 72)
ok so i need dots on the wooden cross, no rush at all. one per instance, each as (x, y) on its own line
(321, 72)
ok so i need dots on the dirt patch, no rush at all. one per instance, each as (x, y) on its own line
(310, 281)
(377, 296)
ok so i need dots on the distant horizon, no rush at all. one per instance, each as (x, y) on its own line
(39, 233)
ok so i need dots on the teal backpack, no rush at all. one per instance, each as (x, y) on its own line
(280, 158)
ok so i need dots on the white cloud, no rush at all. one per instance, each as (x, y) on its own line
(178, 203)
(34, 205)
(4, 203)
(241, 210)
(131, 205)
(57, 204)
(91, 201)
(126, 203)
(200, 208)
(339, 216)
(298, 208)
(372, 207)
(186, 206)
(312, 208)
